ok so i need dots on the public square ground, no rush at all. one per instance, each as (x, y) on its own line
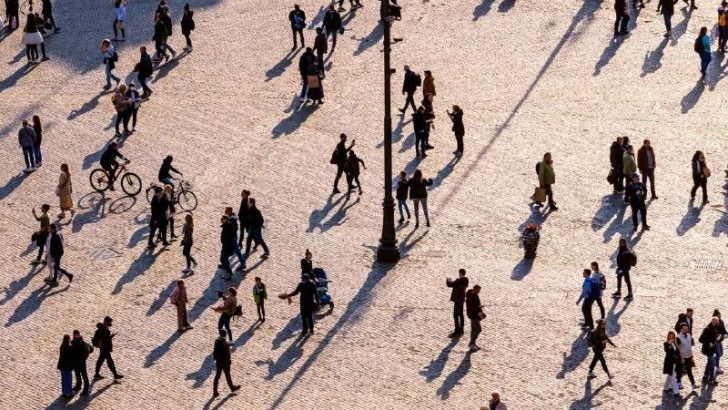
(531, 77)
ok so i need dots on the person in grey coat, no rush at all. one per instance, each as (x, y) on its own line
(26, 140)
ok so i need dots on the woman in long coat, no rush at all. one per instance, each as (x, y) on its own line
(64, 191)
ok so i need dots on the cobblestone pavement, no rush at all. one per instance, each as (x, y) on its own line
(531, 77)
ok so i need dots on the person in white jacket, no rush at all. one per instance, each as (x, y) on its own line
(598, 277)
(685, 344)
(119, 20)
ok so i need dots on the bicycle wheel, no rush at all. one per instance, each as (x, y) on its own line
(150, 194)
(99, 180)
(131, 183)
(187, 200)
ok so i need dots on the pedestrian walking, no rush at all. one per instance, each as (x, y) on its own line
(188, 26)
(355, 4)
(411, 81)
(332, 24)
(546, 178)
(622, 18)
(188, 229)
(65, 365)
(110, 58)
(428, 84)
(708, 340)
(599, 339)
(26, 140)
(402, 192)
(475, 313)
(104, 340)
(227, 238)
(495, 403)
(160, 32)
(722, 26)
(321, 47)
(257, 223)
(167, 20)
(243, 217)
(38, 128)
(352, 165)
(158, 220)
(308, 301)
(629, 167)
(48, 15)
(81, 351)
(221, 355)
(646, 164)
(42, 234)
(123, 107)
(667, 9)
(226, 310)
(136, 101)
(12, 9)
(636, 192)
(305, 62)
(685, 344)
(32, 38)
(233, 221)
(339, 158)
(179, 300)
(599, 278)
(119, 19)
(701, 173)
(692, 4)
(626, 259)
(418, 194)
(64, 189)
(616, 159)
(702, 47)
(589, 293)
(721, 334)
(56, 252)
(686, 318)
(315, 82)
(456, 116)
(422, 131)
(297, 17)
(457, 297)
(259, 296)
(670, 364)
(144, 70)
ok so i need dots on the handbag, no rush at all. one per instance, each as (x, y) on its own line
(539, 195)
(611, 178)
(706, 172)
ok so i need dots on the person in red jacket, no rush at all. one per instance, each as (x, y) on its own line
(475, 314)
(457, 297)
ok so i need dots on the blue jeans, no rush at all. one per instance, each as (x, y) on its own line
(66, 381)
(257, 235)
(704, 61)
(29, 157)
(110, 75)
(167, 181)
(225, 322)
(668, 21)
(718, 353)
(402, 203)
(38, 156)
(709, 368)
(239, 254)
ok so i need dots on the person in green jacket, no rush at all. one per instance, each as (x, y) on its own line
(629, 167)
(546, 178)
(259, 296)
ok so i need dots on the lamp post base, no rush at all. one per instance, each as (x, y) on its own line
(387, 254)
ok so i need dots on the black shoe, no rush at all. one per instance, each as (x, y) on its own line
(402, 110)
(628, 297)
(45, 58)
(98, 377)
(70, 277)
(554, 208)
(76, 388)
(428, 146)
(111, 188)
(336, 191)
(118, 376)
(617, 294)
(84, 393)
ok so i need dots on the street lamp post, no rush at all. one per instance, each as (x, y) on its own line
(388, 251)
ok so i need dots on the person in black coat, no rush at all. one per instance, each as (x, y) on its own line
(456, 116)
(81, 350)
(616, 159)
(636, 192)
(409, 87)
(307, 264)
(670, 363)
(667, 9)
(188, 25)
(686, 318)
(243, 216)
(65, 365)
(353, 171)
(104, 340)
(422, 131)
(475, 313)
(297, 17)
(56, 252)
(418, 194)
(321, 47)
(158, 221)
(708, 340)
(144, 70)
(256, 224)
(308, 301)
(701, 172)
(625, 259)
(340, 157)
(402, 192)
(228, 236)
(12, 10)
(457, 297)
(622, 17)
(48, 15)
(221, 355)
(305, 62)
(332, 24)
(159, 37)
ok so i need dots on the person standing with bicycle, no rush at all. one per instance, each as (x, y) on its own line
(109, 164)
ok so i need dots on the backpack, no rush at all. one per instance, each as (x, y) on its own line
(334, 158)
(634, 258)
(418, 80)
(96, 340)
(173, 296)
(603, 282)
(698, 46)
(595, 289)
(238, 312)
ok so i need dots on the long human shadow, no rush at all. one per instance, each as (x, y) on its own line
(87, 106)
(354, 311)
(609, 52)
(348, 17)
(482, 9)
(607, 210)
(444, 172)
(406, 244)
(680, 28)
(577, 355)
(537, 216)
(161, 350)
(281, 66)
(396, 133)
(584, 14)
(370, 40)
(13, 78)
(716, 71)
(433, 370)
(617, 226)
(339, 217)
(290, 356)
(586, 401)
(613, 316)
(162, 299)
(453, 379)
(690, 219)
(691, 98)
(318, 18)
(137, 268)
(290, 124)
(506, 6)
(522, 269)
(13, 288)
(653, 59)
(12, 184)
(32, 303)
(96, 212)
(287, 332)
(315, 220)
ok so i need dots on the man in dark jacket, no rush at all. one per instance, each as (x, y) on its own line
(255, 224)
(243, 216)
(308, 299)
(167, 20)
(103, 340)
(321, 47)
(636, 192)
(422, 131)
(409, 86)
(708, 340)
(227, 240)
(332, 24)
(297, 17)
(81, 350)
(625, 259)
(457, 297)
(144, 69)
(26, 140)
(340, 156)
(475, 314)
(109, 164)
(158, 220)
(667, 9)
(48, 15)
(620, 23)
(56, 252)
(686, 318)
(646, 164)
(304, 65)
(616, 159)
(221, 355)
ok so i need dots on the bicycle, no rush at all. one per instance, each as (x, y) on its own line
(131, 184)
(183, 195)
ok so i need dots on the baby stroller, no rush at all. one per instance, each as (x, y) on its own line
(322, 287)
